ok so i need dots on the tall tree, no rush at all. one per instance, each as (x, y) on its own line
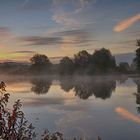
(137, 59)
(82, 60)
(40, 64)
(66, 66)
(103, 60)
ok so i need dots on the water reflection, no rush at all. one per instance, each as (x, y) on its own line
(103, 89)
(127, 115)
(59, 110)
(41, 85)
(66, 83)
(122, 79)
(84, 88)
(137, 82)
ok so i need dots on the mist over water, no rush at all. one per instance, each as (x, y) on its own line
(85, 106)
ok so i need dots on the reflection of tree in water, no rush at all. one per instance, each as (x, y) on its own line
(101, 89)
(41, 85)
(122, 79)
(66, 84)
(84, 88)
(104, 88)
(137, 82)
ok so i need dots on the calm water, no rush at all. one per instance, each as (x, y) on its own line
(81, 106)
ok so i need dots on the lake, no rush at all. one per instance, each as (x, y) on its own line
(85, 106)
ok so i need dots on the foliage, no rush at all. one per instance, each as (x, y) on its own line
(123, 67)
(137, 59)
(52, 136)
(13, 124)
(66, 66)
(40, 64)
(103, 60)
(138, 42)
(82, 61)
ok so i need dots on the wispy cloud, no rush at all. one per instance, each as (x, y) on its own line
(34, 5)
(25, 3)
(24, 52)
(83, 3)
(38, 40)
(62, 18)
(77, 36)
(5, 34)
(126, 23)
(76, 16)
(68, 37)
(127, 115)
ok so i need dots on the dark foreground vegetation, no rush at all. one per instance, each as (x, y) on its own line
(100, 62)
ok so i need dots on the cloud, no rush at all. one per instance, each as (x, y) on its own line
(135, 33)
(34, 5)
(38, 40)
(5, 34)
(72, 32)
(2, 46)
(67, 37)
(123, 42)
(78, 36)
(83, 3)
(24, 52)
(75, 15)
(63, 19)
(127, 115)
(25, 3)
(126, 23)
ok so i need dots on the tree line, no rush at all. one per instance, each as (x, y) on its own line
(100, 62)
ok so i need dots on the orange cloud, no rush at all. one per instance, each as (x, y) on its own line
(126, 23)
(127, 115)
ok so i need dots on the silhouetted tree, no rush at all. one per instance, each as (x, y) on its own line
(123, 67)
(40, 64)
(138, 42)
(103, 60)
(82, 61)
(137, 59)
(66, 66)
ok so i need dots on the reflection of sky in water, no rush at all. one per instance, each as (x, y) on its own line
(113, 116)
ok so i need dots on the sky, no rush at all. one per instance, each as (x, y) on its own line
(59, 28)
